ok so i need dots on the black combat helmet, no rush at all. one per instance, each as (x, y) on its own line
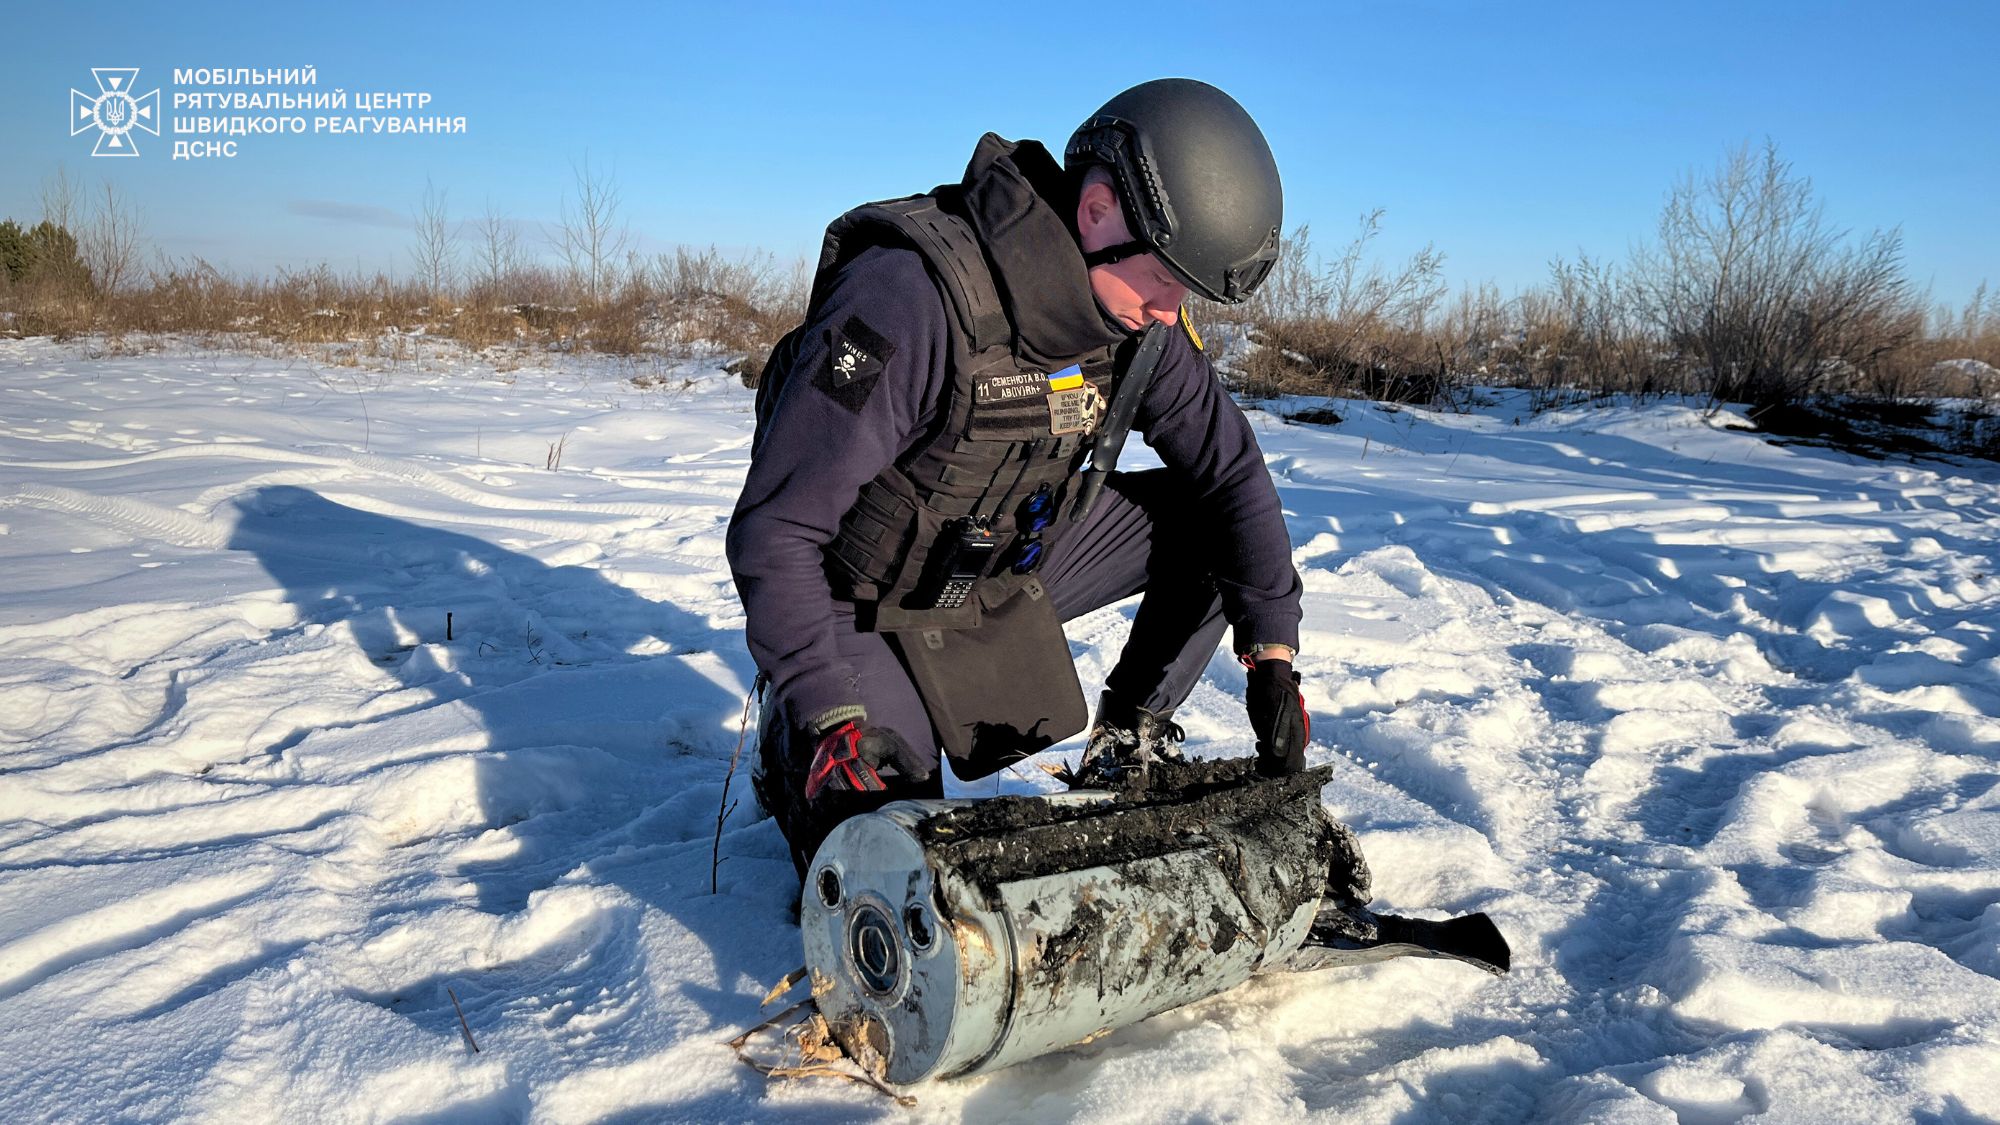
(1197, 181)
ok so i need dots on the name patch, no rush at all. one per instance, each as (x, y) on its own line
(1007, 388)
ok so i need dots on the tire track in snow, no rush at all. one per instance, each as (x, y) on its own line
(137, 518)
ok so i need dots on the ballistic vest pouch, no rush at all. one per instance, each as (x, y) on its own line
(1007, 688)
(1002, 691)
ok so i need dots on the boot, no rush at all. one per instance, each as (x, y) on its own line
(1123, 743)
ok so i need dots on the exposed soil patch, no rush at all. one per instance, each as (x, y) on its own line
(1880, 428)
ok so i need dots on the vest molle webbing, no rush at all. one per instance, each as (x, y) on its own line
(999, 442)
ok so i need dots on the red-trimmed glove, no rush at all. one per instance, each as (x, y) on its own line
(850, 757)
(1278, 715)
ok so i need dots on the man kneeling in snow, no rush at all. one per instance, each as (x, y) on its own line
(930, 493)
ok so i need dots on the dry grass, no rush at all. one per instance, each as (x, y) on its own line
(691, 303)
(1747, 297)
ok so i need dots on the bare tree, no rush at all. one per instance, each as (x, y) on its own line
(436, 250)
(61, 199)
(591, 236)
(110, 243)
(497, 246)
(1980, 316)
(1592, 333)
(1750, 281)
(53, 247)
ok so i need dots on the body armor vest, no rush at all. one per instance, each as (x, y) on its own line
(1010, 430)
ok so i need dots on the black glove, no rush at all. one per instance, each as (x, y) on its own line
(1278, 715)
(850, 757)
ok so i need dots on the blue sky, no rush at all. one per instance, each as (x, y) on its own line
(1505, 134)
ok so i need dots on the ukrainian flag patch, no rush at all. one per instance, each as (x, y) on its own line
(1068, 379)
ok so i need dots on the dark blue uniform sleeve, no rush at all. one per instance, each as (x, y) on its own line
(867, 382)
(1189, 419)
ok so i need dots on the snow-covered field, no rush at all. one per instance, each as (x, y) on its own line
(1711, 727)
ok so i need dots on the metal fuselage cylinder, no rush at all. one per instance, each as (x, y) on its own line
(950, 938)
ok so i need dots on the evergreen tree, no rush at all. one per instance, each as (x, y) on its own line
(15, 255)
(52, 253)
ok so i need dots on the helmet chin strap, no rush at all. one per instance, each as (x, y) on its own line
(1105, 255)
